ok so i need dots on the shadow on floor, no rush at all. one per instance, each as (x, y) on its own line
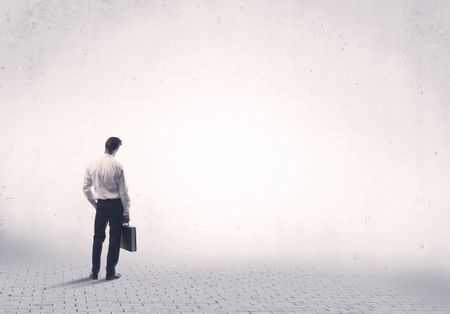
(86, 281)
(82, 281)
(96, 282)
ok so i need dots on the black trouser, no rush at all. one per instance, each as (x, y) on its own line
(112, 211)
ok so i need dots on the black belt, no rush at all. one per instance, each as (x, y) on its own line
(108, 200)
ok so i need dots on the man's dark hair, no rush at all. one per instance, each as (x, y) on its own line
(112, 143)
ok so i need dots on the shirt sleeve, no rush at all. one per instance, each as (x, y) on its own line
(87, 188)
(123, 191)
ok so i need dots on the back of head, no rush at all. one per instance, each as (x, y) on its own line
(112, 144)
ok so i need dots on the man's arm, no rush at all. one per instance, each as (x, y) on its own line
(87, 185)
(123, 191)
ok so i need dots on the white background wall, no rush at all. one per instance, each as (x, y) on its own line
(312, 129)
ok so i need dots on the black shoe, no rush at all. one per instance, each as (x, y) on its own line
(93, 276)
(112, 277)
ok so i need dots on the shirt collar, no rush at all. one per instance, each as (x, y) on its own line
(107, 155)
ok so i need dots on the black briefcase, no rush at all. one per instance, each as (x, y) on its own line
(128, 238)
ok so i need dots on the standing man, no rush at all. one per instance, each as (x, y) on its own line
(111, 205)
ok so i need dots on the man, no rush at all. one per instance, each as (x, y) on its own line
(111, 204)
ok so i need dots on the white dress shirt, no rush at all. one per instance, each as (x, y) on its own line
(107, 177)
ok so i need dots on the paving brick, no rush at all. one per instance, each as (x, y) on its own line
(62, 286)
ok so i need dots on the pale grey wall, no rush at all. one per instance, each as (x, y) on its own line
(251, 128)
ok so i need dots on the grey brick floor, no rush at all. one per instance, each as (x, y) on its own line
(40, 285)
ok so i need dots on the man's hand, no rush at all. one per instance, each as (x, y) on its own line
(126, 218)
